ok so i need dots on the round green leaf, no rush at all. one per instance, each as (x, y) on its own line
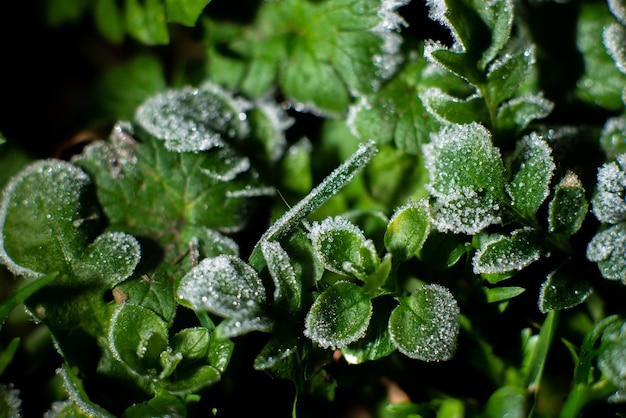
(425, 325)
(138, 336)
(339, 316)
(407, 230)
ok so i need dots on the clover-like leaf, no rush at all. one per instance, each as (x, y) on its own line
(138, 336)
(531, 167)
(319, 53)
(192, 343)
(466, 179)
(193, 119)
(564, 288)
(224, 285)
(342, 248)
(407, 230)
(503, 254)
(425, 326)
(568, 207)
(611, 358)
(339, 316)
(608, 249)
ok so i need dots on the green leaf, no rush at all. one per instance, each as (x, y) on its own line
(536, 351)
(507, 74)
(395, 114)
(109, 20)
(193, 119)
(612, 137)
(146, 21)
(19, 296)
(339, 316)
(407, 230)
(138, 336)
(192, 343)
(194, 380)
(565, 287)
(499, 294)
(342, 248)
(73, 385)
(608, 249)
(517, 113)
(442, 250)
(376, 343)
(326, 189)
(296, 167)
(503, 254)
(611, 358)
(161, 406)
(609, 201)
(425, 325)
(167, 190)
(602, 83)
(614, 37)
(531, 167)
(446, 108)
(568, 207)
(185, 12)
(466, 179)
(279, 349)
(320, 53)
(48, 214)
(287, 286)
(225, 286)
(507, 401)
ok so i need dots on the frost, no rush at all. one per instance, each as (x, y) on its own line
(223, 285)
(608, 249)
(532, 168)
(230, 165)
(388, 61)
(10, 402)
(278, 122)
(466, 179)
(287, 287)
(613, 137)
(425, 326)
(503, 254)
(193, 119)
(618, 8)
(608, 204)
(614, 38)
(524, 109)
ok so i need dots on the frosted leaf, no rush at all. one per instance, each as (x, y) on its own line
(612, 358)
(618, 8)
(268, 123)
(614, 38)
(446, 108)
(568, 207)
(10, 402)
(564, 288)
(466, 179)
(119, 153)
(234, 327)
(408, 229)
(508, 73)
(331, 185)
(425, 326)
(228, 165)
(277, 350)
(390, 23)
(112, 256)
(531, 167)
(608, 249)
(339, 316)
(225, 286)
(503, 254)
(337, 243)
(613, 137)
(287, 287)
(519, 112)
(608, 204)
(193, 119)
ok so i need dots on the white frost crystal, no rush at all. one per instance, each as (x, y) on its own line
(609, 204)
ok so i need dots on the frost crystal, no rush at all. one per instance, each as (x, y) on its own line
(608, 249)
(387, 62)
(614, 38)
(609, 204)
(618, 8)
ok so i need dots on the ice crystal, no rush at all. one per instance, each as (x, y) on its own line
(609, 204)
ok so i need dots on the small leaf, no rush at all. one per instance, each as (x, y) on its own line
(531, 167)
(499, 294)
(564, 288)
(517, 113)
(503, 254)
(146, 21)
(288, 288)
(156, 406)
(407, 230)
(608, 249)
(339, 243)
(339, 316)
(193, 119)
(225, 286)
(568, 207)
(192, 343)
(449, 109)
(76, 391)
(507, 74)
(612, 355)
(613, 137)
(194, 380)
(425, 325)
(185, 12)
(507, 401)
(609, 201)
(614, 37)
(277, 350)
(466, 179)
(138, 337)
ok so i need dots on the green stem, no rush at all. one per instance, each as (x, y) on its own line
(582, 394)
